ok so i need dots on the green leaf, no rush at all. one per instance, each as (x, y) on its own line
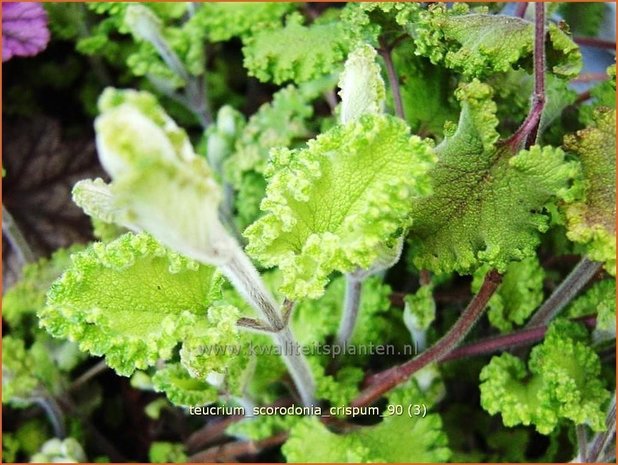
(374, 20)
(222, 21)
(599, 299)
(562, 382)
(204, 354)
(131, 300)
(278, 123)
(487, 202)
(519, 294)
(27, 373)
(334, 204)
(262, 426)
(296, 52)
(420, 308)
(474, 44)
(21, 302)
(591, 221)
(398, 438)
(18, 380)
(275, 124)
(340, 388)
(167, 452)
(181, 388)
(428, 103)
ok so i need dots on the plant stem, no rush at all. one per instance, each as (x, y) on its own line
(399, 374)
(195, 97)
(297, 365)
(385, 51)
(602, 440)
(572, 284)
(88, 375)
(594, 42)
(16, 238)
(528, 131)
(232, 451)
(353, 289)
(53, 412)
(520, 11)
(515, 339)
(246, 279)
(590, 77)
(582, 443)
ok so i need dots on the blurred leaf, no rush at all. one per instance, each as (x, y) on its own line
(41, 167)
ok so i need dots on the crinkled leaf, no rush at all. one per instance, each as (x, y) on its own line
(27, 296)
(395, 439)
(222, 21)
(203, 352)
(27, 372)
(296, 52)
(487, 202)
(475, 45)
(181, 388)
(374, 20)
(131, 300)
(592, 221)
(519, 294)
(332, 205)
(599, 299)
(562, 381)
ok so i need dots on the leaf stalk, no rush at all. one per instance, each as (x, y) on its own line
(399, 374)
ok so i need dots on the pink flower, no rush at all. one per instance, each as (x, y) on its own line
(24, 29)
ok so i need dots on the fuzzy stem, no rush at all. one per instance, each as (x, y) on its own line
(246, 279)
(385, 51)
(528, 131)
(399, 374)
(353, 289)
(16, 238)
(572, 284)
(297, 365)
(582, 442)
(602, 440)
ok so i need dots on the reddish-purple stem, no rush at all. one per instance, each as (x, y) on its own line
(512, 340)
(594, 42)
(385, 51)
(399, 374)
(520, 11)
(527, 132)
